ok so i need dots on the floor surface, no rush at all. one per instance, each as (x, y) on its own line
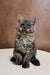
(8, 68)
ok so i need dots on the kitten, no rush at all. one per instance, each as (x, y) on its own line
(25, 48)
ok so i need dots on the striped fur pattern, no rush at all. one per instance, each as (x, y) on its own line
(25, 48)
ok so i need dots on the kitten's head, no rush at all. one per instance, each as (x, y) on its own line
(25, 26)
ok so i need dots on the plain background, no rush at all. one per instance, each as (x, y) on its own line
(9, 10)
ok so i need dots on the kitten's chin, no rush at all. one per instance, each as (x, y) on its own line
(24, 32)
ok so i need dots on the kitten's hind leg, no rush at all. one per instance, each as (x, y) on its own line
(17, 58)
(35, 61)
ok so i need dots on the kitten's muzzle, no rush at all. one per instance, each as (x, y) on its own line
(23, 29)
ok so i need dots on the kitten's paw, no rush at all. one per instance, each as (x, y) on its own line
(19, 63)
(13, 59)
(25, 65)
(35, 62)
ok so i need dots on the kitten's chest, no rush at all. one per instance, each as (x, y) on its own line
(27, 40)
(24, 44)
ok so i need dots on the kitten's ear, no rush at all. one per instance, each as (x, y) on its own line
(33, 20)
(20, 18)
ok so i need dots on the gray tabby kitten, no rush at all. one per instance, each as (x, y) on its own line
(25, 48)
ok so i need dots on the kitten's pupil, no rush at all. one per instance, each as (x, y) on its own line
(22, 24)
(28, 25)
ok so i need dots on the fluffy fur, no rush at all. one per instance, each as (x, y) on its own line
(25, 48)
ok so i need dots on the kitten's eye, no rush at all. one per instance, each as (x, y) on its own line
(22, 24)
(28, 25)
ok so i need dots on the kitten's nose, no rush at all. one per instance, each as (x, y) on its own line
(24, 27)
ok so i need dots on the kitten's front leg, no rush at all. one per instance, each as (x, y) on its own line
(26, 61)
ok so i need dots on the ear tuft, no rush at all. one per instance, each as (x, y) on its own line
(33, 20)
(20, 18)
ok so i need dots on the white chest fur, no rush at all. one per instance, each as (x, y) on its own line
(23, 43)
(27, 40)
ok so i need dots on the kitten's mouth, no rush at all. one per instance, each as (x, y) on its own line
(24, 32)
